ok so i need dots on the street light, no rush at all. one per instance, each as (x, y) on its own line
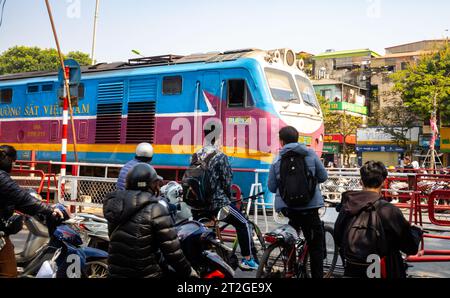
(95, 32)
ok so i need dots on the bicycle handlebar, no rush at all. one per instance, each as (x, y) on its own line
(247, 198)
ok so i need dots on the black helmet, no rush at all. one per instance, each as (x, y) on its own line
(140, 177)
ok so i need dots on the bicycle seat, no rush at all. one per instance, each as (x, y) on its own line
(288, 233)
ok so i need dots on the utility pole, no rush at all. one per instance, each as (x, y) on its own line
(95, 32)
(67, 97)
(433, 139)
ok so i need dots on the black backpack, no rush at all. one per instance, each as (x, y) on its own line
(196, 185)
(298, 183)
(364, 235)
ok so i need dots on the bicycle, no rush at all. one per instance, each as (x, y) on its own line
(229, 253)
(288, 255)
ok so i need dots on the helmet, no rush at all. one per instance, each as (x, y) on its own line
(172, 191)
(140, 177)
(144, 150)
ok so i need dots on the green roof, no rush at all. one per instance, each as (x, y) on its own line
(345, 54)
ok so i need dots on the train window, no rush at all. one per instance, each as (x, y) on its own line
(239, 95)
(282, 86)
(172, 85)
(81, 91)
(307, 91)
(47, 87)
(6, 95)
(33, 89)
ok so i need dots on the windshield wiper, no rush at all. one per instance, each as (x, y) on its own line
(312, 105)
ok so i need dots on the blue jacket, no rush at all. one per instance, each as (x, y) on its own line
(314, 164)
(123, 173)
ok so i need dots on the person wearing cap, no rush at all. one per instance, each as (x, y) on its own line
(144, 153)
(143, 240)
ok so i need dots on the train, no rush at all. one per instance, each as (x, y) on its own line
(246, 95)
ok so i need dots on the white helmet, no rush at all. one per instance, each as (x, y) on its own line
(144, 150)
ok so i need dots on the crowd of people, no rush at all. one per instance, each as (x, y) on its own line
(143, 239)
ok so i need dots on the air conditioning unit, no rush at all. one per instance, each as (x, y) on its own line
(288, 57)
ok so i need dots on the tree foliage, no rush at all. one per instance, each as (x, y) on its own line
(397, 120)
(341, 123)
(424, 81)
(23, 59)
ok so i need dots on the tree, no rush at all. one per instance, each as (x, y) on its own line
(341, 123)
(23, 59)
(425, 81)
(397, 120)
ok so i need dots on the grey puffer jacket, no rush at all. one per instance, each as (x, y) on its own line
(314, 164)
(142, 242)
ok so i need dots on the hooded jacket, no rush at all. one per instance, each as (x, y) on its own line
(400, 235)
(13, 197)
(314, 164)
(143, 240)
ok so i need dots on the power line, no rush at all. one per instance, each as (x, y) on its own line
(3, 10)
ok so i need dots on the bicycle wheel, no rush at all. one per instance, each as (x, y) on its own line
(330, 255)
(259, 246)
(274, 262)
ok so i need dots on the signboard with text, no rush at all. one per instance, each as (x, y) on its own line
(341, 106)
(377, 136)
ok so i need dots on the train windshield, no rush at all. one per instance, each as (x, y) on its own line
(307, 91)
(282, 86)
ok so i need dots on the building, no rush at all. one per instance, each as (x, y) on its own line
(398, 58)
(374, 143)
(343, 78)
(351, 67)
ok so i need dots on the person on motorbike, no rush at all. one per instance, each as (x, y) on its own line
(14, 198)
(144, 153)
(143, 240)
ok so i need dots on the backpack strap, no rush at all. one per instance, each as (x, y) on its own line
(210, 157)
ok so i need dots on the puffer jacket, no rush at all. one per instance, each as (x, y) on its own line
(314, 164)
(13, 197)
(142, 239)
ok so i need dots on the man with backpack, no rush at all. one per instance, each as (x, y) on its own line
(207, 190)
(294, 177)
(370, 229)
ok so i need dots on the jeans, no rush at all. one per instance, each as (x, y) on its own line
(235, 218)
(311, 225)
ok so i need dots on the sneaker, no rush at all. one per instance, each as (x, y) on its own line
(249, 264)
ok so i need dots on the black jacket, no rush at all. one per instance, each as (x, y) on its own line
(13, 197)
(143, 240)
(400, 235)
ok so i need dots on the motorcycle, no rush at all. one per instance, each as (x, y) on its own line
(94, 230)
(197, 241)
(62, 254)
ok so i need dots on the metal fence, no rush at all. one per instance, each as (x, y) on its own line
(85, 191)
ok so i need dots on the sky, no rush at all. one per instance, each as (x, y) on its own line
(198, 26)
